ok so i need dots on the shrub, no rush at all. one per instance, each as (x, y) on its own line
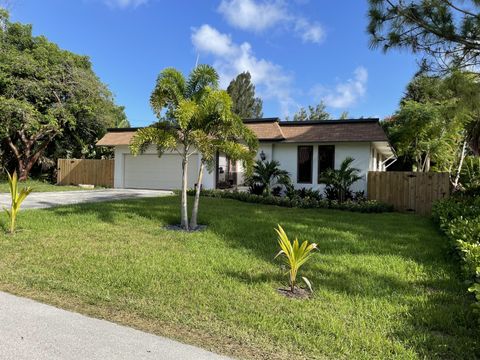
(470, 174)
(267, 175)
(339, 181)
(459, 218)
(368, 206)
(256, 189)
(303, 193)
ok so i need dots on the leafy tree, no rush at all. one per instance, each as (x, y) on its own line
(242, 92)
(436, 121)
(194, 116)
(422, 131)
(46, 93)
(339, 181)
(317, 112)
(445, 31)
(268, 174)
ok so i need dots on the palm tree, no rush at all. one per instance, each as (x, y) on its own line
(172, 101)
(218, 129)
(195, 117)
(268, 174)
(341, 179)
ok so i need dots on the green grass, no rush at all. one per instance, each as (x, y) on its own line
(38, 186)
(385, 286)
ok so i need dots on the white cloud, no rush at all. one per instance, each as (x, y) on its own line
(123, 4)
(309, 32)
(346, 93)
(230, 59)
(207, 39)
(247, 14)
(260, 15)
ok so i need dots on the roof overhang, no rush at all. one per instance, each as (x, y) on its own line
(385, 148)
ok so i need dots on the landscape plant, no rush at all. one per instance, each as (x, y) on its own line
(339, 181)
(364, 206)
(459, 218)
(295, 255)
(17, 197)
(267, 175)
(194, 118)
(470, 174)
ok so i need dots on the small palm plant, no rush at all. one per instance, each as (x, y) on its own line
(268, 174)
(294, 255)
(17, 199)
(340, 180)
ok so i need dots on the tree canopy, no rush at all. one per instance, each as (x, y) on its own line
(435, 121)
(446, 33)
(317, 112)
(51, 102)
(242, 92)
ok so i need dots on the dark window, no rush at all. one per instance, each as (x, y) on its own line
(305, 162)
(326, 158)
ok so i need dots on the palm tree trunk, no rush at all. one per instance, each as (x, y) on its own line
(184, 211)
(193, 219)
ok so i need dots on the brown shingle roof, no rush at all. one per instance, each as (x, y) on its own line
(265, 129)
(274, 130)
(333, 131)
(115, 138)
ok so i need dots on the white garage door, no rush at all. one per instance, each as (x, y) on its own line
(152, 172)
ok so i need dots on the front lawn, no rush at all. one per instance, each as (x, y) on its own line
(38, 186)
(385, 287)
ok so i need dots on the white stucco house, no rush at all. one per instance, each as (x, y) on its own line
(304, 149)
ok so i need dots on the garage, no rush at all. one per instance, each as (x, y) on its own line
(151, 172)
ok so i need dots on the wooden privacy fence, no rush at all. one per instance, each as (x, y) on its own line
(85, 171)
(408, 191)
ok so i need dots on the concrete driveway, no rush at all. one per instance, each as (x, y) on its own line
(49, 199)
(31, 330)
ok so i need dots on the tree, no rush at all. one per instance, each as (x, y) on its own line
(340, 180)
(317, 112)
(46, 93)
(422, 131)
(445, 31)
(268, 174)
(242, 92)
(194, 116)
(219, 130)
(436, 121)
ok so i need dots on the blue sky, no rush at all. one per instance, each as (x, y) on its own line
(299, 52)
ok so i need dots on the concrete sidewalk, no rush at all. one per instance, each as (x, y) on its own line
(31, 330)
(38, 200)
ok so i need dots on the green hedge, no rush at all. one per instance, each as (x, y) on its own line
(366, 206)
(459, 218)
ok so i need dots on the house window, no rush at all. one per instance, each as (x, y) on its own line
(326, 158)
(305, 164)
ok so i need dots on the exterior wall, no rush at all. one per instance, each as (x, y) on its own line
(121, 151)
(286, 155)
(366, 156)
